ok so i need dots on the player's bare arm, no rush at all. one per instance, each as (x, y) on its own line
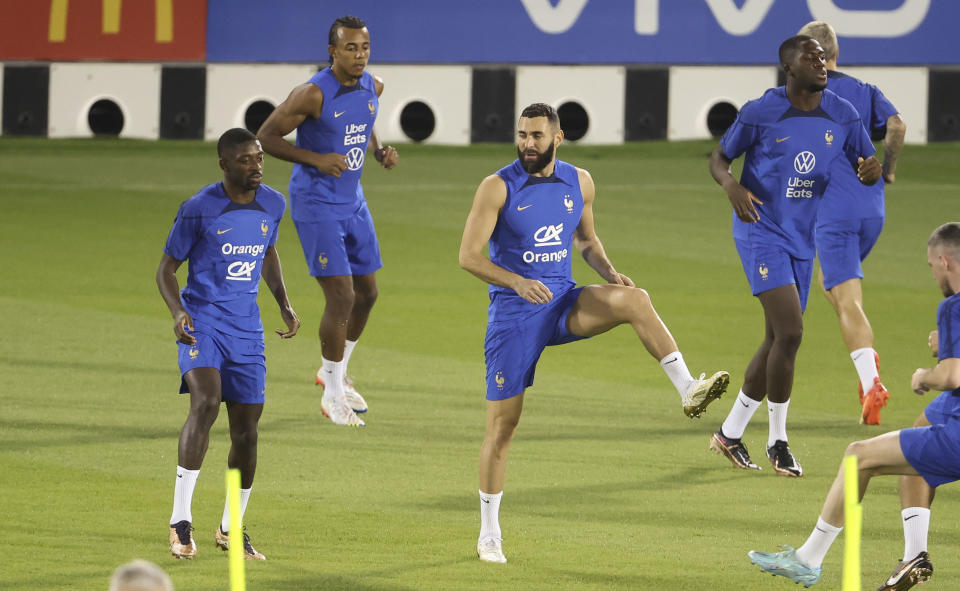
(892, 146)
(585, 237)
(305, 101)
(743, 201)
(933, 341)
(487, 203)
(273, 277)
(386, 155)
(869, 170)
(170, 292)
(945, 376)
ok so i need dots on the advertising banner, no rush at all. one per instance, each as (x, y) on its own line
(585, 31)
(140, 30)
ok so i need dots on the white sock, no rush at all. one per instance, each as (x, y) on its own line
(244, 499)
(332, 377)
(778, 421)
(916, 524)
(677, 371)
(815, 548)
(490, 515)
(741, 413)
(348, 347)
(183, 495)
(866, 363)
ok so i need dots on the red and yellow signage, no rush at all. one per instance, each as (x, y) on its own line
(146, 30)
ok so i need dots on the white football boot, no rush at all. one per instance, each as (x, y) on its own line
(340, 412)
(490, 549)
(354, 399)
(704, 391)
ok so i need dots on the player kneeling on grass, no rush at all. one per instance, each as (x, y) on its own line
(533, 212)
(228, 232)
(932, 451)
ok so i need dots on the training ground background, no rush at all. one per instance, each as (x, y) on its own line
(609, 486)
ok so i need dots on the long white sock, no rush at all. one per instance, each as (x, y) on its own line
(815, 548)
(676, 369)
(183, 495)
(332, 378)
(778, 421)
(865, 362)
(348, 347)
(244, 499)
(916, 524)
(741, 413)
(490, 515)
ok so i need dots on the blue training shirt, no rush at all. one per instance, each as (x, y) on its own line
(789, 156)
(846, 197)
(534, 234)
(948, 330)
(225, 243)
(344, 127)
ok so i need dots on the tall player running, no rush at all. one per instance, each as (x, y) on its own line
(849, 222)
(333, 114)
(228, 232)
(791, 136)
(532, 212)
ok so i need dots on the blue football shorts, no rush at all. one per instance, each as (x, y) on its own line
(934, 451)
(346, 246)
(241, 363)
(768, 267)
(843, 245)
(513, 347)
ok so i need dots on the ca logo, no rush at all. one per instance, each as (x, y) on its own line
(548, 235)
(355, 158)
(804, 162)
(240, 271)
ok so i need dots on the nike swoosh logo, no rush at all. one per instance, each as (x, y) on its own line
(524, 207)
(910, 517)
(820, 530)
(335, 114)
(485, 501)
(224, 231)
(782, 139)
(179, 475)
(745, 405)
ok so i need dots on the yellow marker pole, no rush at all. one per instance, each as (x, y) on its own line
(854, 524)
(238, 581)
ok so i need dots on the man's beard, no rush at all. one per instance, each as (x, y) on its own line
(543, 159)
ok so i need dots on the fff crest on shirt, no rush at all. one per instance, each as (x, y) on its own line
(829, 137)
(568, 203)
(764, 271)
(499, 379)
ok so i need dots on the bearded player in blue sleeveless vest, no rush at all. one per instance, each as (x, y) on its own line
(793, 137)
(333, 114)
(228, 232)
(849, 223)
(533, 213)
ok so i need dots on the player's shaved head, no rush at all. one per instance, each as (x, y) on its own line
(946, 239)
(542, 110)
(823, 34)
(791, 47)
(233, 138)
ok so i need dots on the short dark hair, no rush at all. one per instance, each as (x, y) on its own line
(232, 138)
(541, 110)
(350, 22)
(946, 236)
(792, 45)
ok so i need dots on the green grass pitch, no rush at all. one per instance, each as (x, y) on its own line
(609, 486)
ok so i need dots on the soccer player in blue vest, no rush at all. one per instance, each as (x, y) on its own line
(792, 137)
(849, 222)
(532, 213)
(931, 452)
(228, 232)
(333, 114)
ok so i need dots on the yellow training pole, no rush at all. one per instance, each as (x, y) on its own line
(854, 524)
(238, 581)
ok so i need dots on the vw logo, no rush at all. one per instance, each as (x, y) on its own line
(804, 162)
(355, 158)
